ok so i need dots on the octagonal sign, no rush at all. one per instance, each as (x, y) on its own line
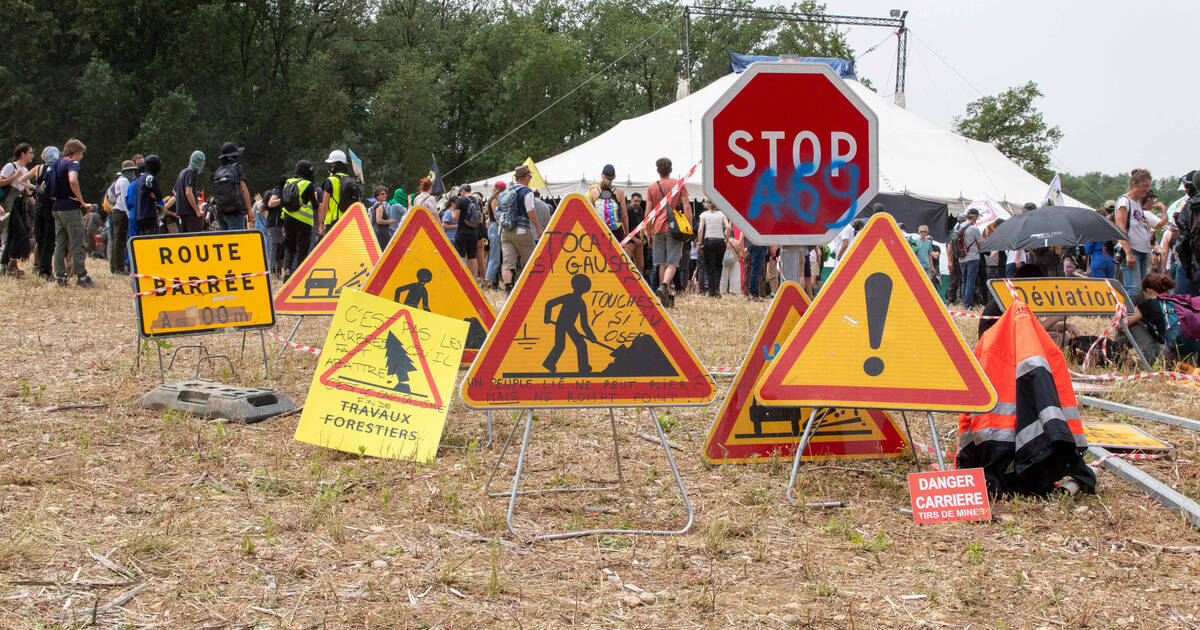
(791, 153)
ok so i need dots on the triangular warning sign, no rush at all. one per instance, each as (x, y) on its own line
(877, 336)
(744, 430)
(420, 269)
(581, 329)
(342, 260)
(389, 363)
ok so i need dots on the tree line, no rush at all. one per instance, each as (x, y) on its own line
(398, 81)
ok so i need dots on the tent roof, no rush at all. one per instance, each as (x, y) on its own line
(915, 156)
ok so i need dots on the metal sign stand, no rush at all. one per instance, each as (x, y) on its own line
(516, 491)
(287, 341)
(814, 422)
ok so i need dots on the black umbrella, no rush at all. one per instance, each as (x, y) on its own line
(1052, 226)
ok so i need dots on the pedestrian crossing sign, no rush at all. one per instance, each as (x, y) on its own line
(420, 269)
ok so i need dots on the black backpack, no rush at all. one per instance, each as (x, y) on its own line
(290, 196)
(227, 189)
(474, 212)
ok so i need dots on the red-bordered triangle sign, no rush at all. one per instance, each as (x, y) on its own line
(877, 336)
(420, 269)
(402, 344)
(342, 260)
(744, 430)
(581, 329)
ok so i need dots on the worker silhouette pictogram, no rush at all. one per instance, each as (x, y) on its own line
(572, 309)
(417, 296)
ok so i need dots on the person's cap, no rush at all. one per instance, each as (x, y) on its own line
(465, 188)
(230, 149)
(1029, 205)
(336, 156)
(499, 185)
(962, 216)
(608, 170)
(1110, 205)
(128, 165)
(972, 212)
(522, 171)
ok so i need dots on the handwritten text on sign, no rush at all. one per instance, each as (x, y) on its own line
(944, 496)
(583, 329)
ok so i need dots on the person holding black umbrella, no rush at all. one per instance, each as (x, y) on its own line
(1136, 223)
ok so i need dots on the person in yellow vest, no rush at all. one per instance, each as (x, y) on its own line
(298, 203)
(340, 190)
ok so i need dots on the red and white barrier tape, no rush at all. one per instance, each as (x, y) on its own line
(298, 346)
(972, 315)
(1130, 456)
(1118, 319)
(192, 283)
(661, 204)
(1178, 376)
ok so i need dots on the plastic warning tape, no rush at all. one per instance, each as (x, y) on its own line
(1130, 456)
(1118, 319)
(193, 283)
(661, 204)
(298, 346)
(1179, 376)
(972, 315)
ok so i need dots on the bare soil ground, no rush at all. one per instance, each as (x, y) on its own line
(124, 517)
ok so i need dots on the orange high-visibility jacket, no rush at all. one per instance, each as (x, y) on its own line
(1033, 438)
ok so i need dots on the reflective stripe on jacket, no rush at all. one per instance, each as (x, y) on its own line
(1034, 437)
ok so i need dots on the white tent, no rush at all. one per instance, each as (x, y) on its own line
(915, 157)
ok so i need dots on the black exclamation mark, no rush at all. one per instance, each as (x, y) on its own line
(879, 295)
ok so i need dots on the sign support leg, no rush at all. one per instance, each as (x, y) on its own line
(612, 418)
(809, 427)
(911, 443)
(503, 450)
(289, 338)
(516, 491)
(791, 262)
(1136, 348)
(937, 445)
(262, 340)
(162, 375)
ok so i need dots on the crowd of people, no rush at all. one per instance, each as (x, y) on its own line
(690, 247)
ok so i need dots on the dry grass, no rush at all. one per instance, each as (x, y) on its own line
(240, 526)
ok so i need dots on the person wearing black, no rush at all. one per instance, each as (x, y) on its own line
(272, 206)
(186, 205)
(635, 248)
(298, 221)
(468, 214)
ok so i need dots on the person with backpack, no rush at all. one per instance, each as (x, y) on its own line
(147, 196)
(118, 218)
(396, 209)
(379, 218)
(954, 290)
(492, 276)
(1187, 240)
(68, 221)
(230, 194)
(609, 202)
(15, 200)
(467, 215)
(1162, 316)
(43, 216)
(187, 206)
(298, 203)
(968, 242)
(340, 190)
(517, 214)
(272, 224)
(665, 248)
(1135, 222)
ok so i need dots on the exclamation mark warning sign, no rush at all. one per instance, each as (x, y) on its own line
(878, 288)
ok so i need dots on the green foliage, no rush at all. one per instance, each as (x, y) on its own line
(398, 81)
(1011, 123)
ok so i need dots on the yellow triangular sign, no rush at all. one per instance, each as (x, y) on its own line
(581, 329)
(420, 269)
(744, 430)
(342, 260)
(877, 336)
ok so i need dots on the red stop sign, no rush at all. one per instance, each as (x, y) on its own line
(790, 153)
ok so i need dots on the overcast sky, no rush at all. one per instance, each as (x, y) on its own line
(1088, 58)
